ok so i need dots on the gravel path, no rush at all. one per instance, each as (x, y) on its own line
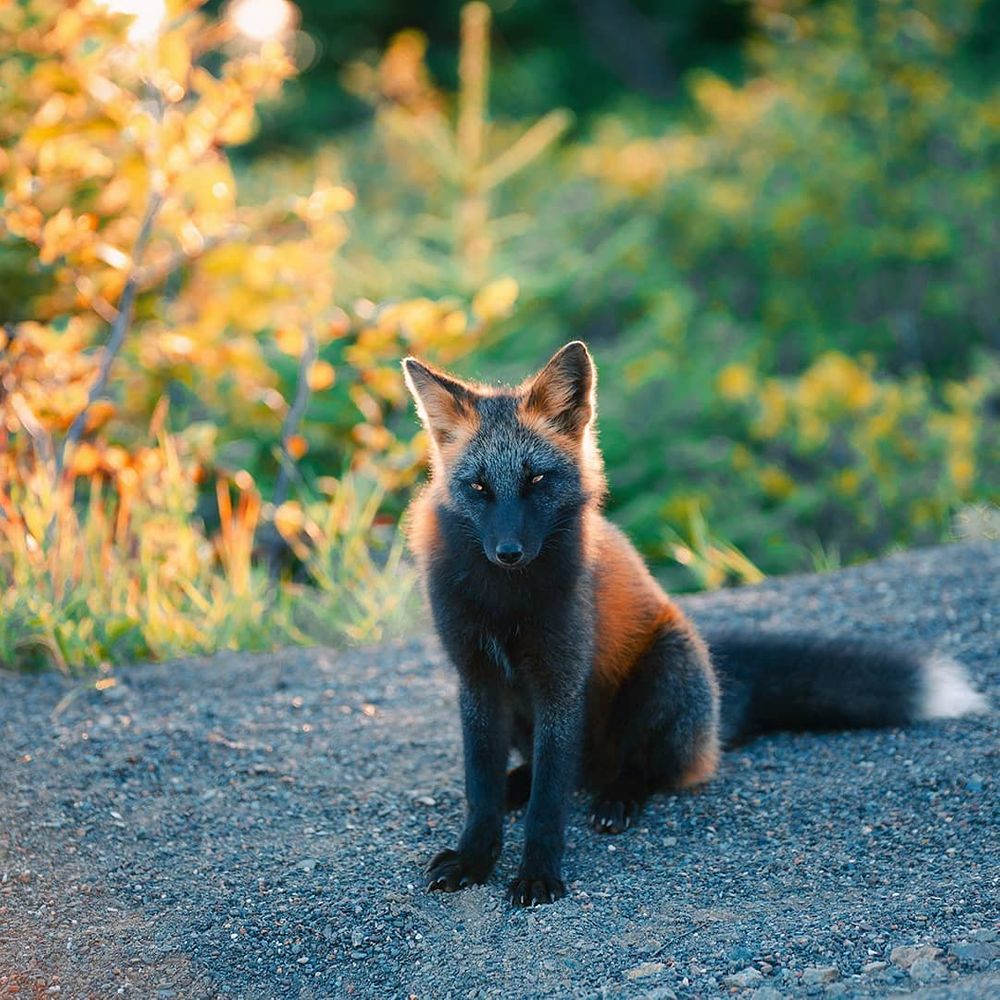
(255, 826)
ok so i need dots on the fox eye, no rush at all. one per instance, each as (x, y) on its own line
(477, 486)
(537, 478)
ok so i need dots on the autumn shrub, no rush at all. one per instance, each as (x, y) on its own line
(114, 565)
(133, 274)
(124, 573)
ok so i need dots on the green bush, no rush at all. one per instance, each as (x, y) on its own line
(824, 226)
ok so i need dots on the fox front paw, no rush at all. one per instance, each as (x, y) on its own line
(450, 871)
(533, 890)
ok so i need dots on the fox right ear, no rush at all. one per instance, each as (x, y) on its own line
(563, 391)
(442, 402)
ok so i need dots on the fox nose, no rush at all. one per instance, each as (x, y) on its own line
(509, 553)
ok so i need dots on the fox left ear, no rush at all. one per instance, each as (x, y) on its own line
(564, 390)
(442, 401)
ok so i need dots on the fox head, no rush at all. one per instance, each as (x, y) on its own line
(516, 465)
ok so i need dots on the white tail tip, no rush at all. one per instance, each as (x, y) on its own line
(947, 691)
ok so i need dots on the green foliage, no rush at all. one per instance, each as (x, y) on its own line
(829, 220)
(549, 53)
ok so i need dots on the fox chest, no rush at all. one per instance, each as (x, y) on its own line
(518, 626)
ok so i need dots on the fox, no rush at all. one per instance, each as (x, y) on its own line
(568, 651)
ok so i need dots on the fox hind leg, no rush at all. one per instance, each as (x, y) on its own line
(666, 715)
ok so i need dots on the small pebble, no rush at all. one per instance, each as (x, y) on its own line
(644, 970)
(905, 955)
(982, 934)
(768, 993)
(975, 951)
(928, 970)
(747, 977)
(816, 974)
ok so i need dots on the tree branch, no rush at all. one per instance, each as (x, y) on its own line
(119, 330)
(271, 545)
(294, 416)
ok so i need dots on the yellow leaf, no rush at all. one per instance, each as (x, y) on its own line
(321, 376)
(340, 324)
(289, 519)
(495, 300)
(115, 459)
(735, 382)
(386, 382)
(290, 340)
(100, 413)
(369, 436)
(175, 62)
(237, 126)
(455, 323)
(85, 459)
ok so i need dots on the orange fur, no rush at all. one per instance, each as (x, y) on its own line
(463, 429)
(563, 391)
(446, 407)
(703, 767)
(632, 609)
(422, 531)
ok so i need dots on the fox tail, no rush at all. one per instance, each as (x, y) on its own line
(803, 682)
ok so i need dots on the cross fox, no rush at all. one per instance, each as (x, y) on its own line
(568, 650)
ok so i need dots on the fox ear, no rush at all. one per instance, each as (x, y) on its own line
(442, 402)
(563, 391)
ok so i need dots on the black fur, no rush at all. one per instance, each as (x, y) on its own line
(657, 720)
(522, 641)
(491, 493)
(808, 682)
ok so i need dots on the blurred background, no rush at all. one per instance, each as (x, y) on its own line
(224, 224)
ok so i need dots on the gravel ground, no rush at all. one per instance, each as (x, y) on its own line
(255, 826)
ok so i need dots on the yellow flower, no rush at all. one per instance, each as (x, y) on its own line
(85, 460)
(290, 340)
(289, 519)
(495, 300)
(776, 483)
(735, 382)
(321, 376)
